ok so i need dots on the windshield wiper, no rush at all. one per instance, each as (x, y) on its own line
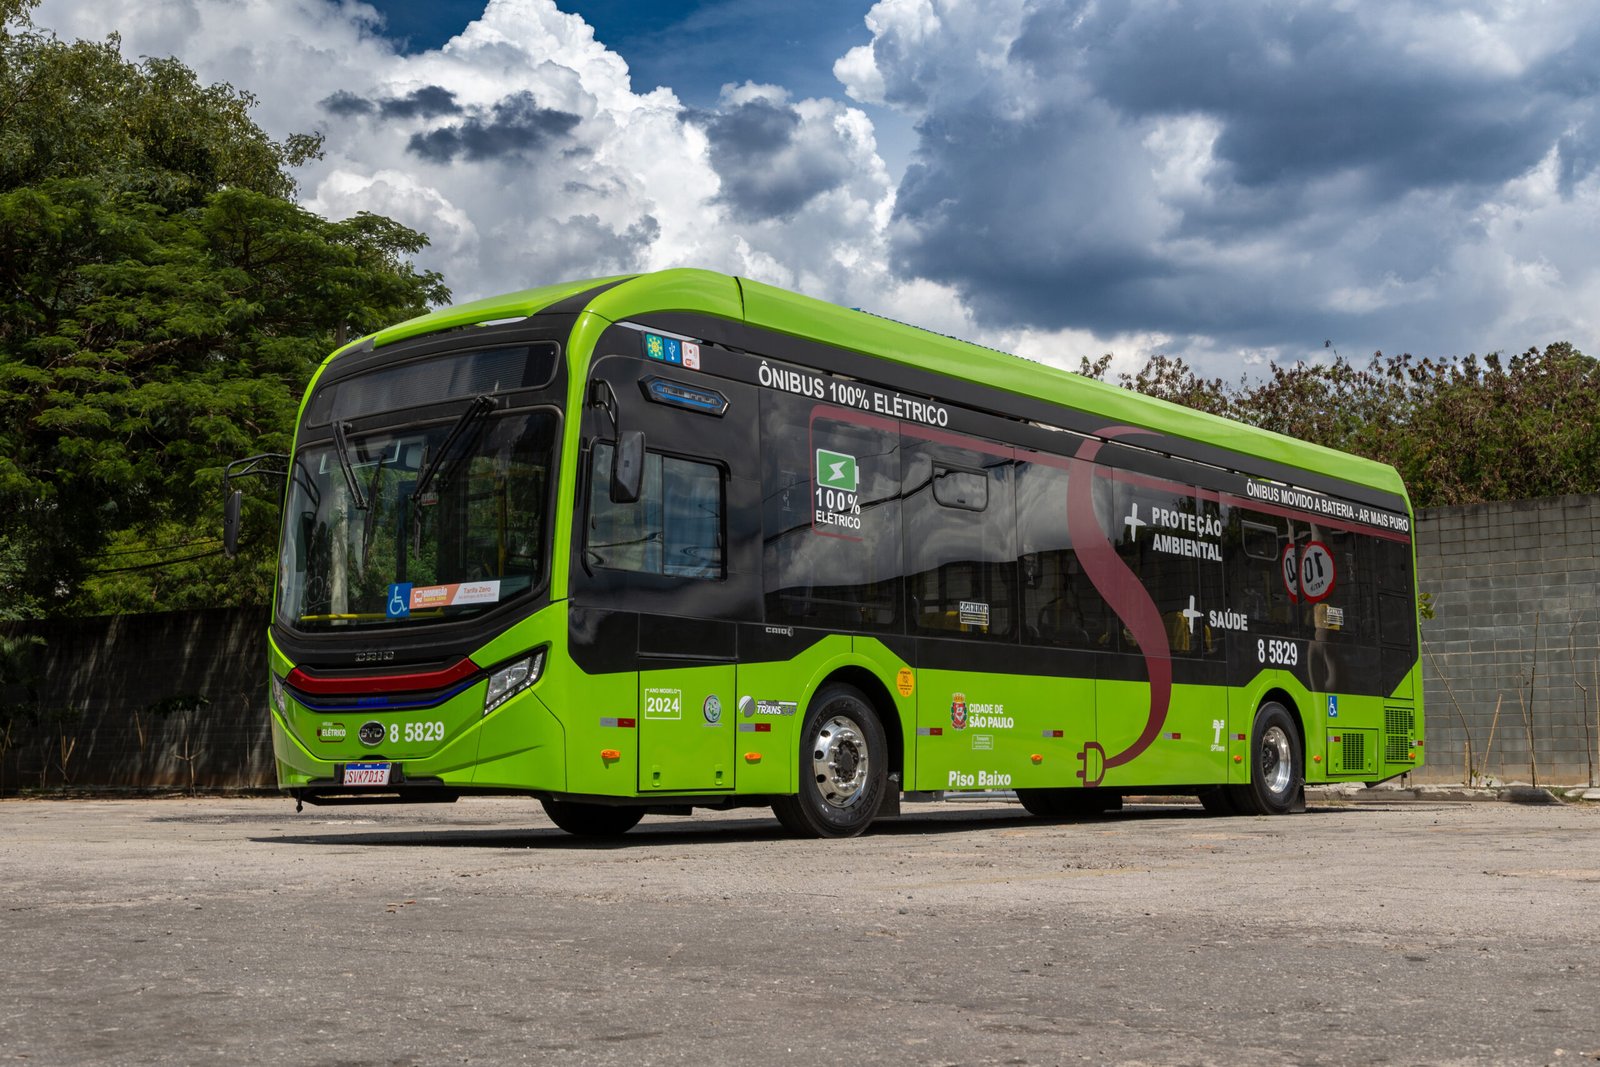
(366, 526)
(443, 462)
(341, 446)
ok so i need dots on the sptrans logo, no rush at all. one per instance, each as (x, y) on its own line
(958, 711)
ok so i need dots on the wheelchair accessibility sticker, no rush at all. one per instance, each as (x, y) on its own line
(398, 605)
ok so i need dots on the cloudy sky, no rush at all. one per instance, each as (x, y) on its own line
(1226, 180)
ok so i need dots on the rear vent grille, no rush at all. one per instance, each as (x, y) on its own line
(1353, 753)
(1399, 730)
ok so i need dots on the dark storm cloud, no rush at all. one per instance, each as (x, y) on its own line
(1303, 92)
(428, 102)
(1579, 155)
(515, 125)
(345, 103)
(766, 172)
(1035, 230)
(752, 130)
(1050, 215)
(609, 250)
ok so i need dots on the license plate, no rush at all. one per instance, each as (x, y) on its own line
(366, 773)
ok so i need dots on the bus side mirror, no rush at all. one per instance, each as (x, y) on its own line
(627, 467)
(230, 523)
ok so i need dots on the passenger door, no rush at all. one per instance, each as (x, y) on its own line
(681, 560)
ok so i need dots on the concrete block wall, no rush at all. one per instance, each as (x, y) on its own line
(1515, 587)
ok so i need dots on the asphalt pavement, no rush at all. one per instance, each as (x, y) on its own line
(235, 930)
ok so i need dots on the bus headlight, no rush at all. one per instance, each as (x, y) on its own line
(512, 679)
(276, 688)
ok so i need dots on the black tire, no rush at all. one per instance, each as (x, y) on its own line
(1277, 765)
(592, 820)
(1069, 803)
(843, 767)
(1218, 801)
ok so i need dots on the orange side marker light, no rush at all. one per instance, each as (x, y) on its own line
(610, 754)
(1036, 758)
(752, 757)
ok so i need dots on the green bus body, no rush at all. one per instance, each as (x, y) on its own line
(1030, 580)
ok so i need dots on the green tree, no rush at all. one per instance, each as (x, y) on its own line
(162, 305)
(1460, 431)
(1496, 429)
(1170, 378)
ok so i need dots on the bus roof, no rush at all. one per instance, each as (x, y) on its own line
(752, 302)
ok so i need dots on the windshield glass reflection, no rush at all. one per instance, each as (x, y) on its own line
(362, 547)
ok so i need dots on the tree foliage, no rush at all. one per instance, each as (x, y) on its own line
(1459, 431)
(163, 304)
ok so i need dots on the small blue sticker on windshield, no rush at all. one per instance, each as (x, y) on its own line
(1333, 706)
(399, 603)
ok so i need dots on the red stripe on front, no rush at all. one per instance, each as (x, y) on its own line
(380, 683)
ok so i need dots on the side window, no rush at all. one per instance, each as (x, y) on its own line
(675, 528)
(1172, 539)
(830, 514)
(1298, 578)
(1211, 535)
(1394, 565)
(1060, 606)
(1258, 540)
(956, 488)
(1259, 566)
(1397, 617)
(1346, 612)
(960, 537)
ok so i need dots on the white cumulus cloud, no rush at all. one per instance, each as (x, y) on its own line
(1226, 181)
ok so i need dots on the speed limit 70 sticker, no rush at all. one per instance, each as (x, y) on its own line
(1316, 571)
(1308, 571)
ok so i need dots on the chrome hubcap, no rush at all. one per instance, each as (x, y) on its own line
(1277, 760)
(839, 762)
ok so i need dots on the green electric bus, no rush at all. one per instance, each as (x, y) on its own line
(682, 540)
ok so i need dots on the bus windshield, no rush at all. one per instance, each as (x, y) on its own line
(362, 547)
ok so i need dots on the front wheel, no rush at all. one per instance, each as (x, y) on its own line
(843, 767)
(592, 820)
(1277, 768)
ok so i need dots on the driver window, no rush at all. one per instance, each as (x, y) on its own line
(675, 528)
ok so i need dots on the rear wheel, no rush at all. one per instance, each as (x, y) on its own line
(592, 820)
(1277, 766)
(843, 767)
(1068, 803)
